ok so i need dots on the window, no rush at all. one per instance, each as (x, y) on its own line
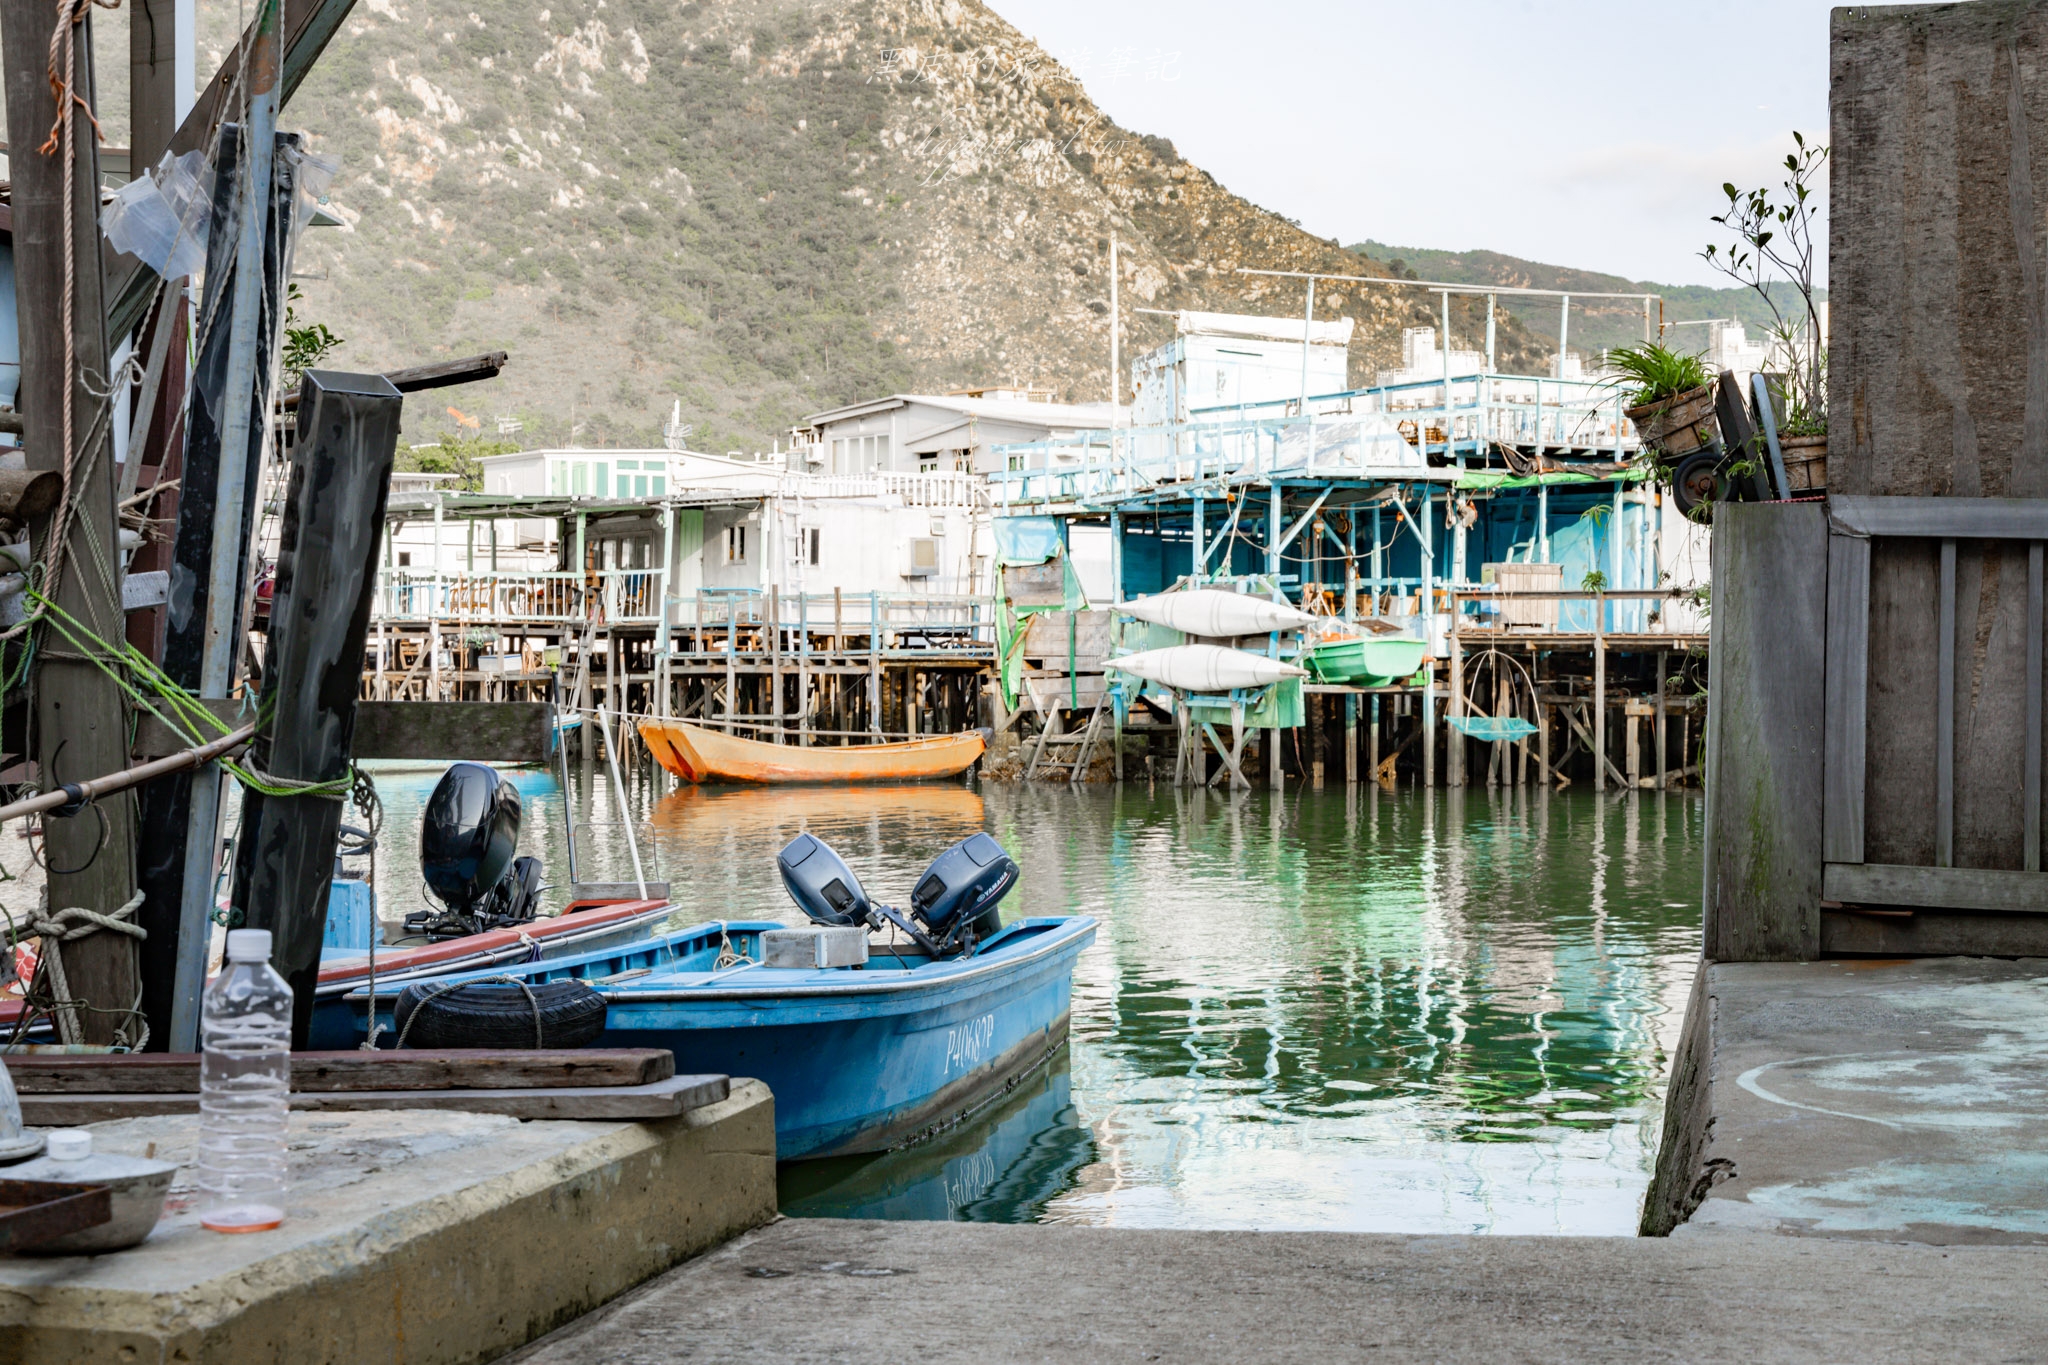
(1016, 463)
(601, 485)
(928, 464)
(405, 559)
(660, 485)
(579, 479)
(839, 465)
(811, 545)
(736, 543)
(558, 478)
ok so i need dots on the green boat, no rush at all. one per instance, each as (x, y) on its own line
(1365, 660)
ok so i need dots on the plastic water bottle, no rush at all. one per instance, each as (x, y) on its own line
(245, 1076)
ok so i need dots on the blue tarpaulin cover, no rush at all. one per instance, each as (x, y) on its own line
(1027, 540)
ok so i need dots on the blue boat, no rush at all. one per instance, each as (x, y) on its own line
(860, 1059)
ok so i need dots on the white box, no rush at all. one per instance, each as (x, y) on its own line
(814, 946)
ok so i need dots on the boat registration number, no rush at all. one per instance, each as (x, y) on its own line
(968, 1043)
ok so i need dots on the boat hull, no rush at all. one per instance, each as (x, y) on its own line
(1216, 614)
(858, 1061)
(1205, 668)
(580, 930)
(696, 754)
(1366, 661)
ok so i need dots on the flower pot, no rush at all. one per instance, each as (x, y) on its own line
(1680, 424)
(1806, 463)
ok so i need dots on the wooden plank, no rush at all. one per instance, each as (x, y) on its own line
(1945, 713)
(417, 378)
(33, 1211)
(659, 1100)
(1955, 518)
(413, 1069)
(1932, 933)
(480, 731)
(1764, 733)
(1848, 678)
(1036, 585)
(1952, 888)
(2030, 796)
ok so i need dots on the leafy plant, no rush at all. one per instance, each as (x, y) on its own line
(1594, 581)
(1656, 371)
(304, 346)
(1774, 247)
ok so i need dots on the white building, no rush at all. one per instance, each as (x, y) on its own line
(698, 521)
(936, 434)
(1225, 360)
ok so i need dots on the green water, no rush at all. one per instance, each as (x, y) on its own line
(1446, 1012)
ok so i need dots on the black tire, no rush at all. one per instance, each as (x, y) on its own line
(486, 1015)
(1697, 481)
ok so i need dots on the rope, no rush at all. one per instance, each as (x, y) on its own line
(56, 928)
(727, 955)
(539, 1041)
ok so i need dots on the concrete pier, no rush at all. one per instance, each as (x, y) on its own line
(412, 1235)
(815, 1290)
(1894, 1100)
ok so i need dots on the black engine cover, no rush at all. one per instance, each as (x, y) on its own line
(960, 891)
(468, 834)
(821, 883)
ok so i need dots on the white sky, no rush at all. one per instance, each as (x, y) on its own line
(1594, 133)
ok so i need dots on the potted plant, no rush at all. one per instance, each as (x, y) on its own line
(1673, 402)
(1773, 255)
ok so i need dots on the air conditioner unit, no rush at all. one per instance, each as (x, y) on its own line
(923, 557)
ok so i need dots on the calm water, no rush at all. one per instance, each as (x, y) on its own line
(1418, 1013)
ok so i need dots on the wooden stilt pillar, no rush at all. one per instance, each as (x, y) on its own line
(1663, 661)
(1351, 712)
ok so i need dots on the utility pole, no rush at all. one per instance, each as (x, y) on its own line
(60, 308)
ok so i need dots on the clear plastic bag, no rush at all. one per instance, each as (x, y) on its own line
(161, 218)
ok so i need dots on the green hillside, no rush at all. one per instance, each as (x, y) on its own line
(1595, 323)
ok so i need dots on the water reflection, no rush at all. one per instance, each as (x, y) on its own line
(1442, 1011)
(1002, 1168)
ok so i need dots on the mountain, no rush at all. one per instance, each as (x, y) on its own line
(761, 208)
(1595, 323)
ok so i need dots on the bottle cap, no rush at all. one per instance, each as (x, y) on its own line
(70, 1144)
(248, 945)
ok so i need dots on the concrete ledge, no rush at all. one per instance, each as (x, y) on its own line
(821, 1290)
(410, 1236)
(1878, 1100)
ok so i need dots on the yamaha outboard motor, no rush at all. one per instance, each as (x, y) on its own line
(956, 898)
(952, 909)
(821, 883)
(467, 839)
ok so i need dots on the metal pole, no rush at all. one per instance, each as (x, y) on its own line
(224, 581)
(1450, 446)
(1199, 565)
(1274, 525)
(1564, 329)
(1308, 320)
(611, 759)
(1491, 363)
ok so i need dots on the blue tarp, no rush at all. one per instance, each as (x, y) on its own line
(1027, 540)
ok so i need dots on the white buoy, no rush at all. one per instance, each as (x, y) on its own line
(1205, 668)
(1215, 613)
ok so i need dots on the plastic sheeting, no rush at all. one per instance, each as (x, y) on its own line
(1027, 540)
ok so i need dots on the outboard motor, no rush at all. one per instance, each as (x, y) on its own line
(952, 909)
(957, 896)
(468, 836)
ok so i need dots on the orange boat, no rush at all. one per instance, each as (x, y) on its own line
(696, 754)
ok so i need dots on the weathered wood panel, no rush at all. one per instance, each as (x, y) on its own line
(480, 731)
(176, 1073)
(1933, 934)
(1051, 634)
(1764, 733)
(1938, 215)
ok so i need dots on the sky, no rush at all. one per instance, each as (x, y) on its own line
(1594, 134)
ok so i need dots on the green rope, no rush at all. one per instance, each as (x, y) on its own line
(182, 713)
